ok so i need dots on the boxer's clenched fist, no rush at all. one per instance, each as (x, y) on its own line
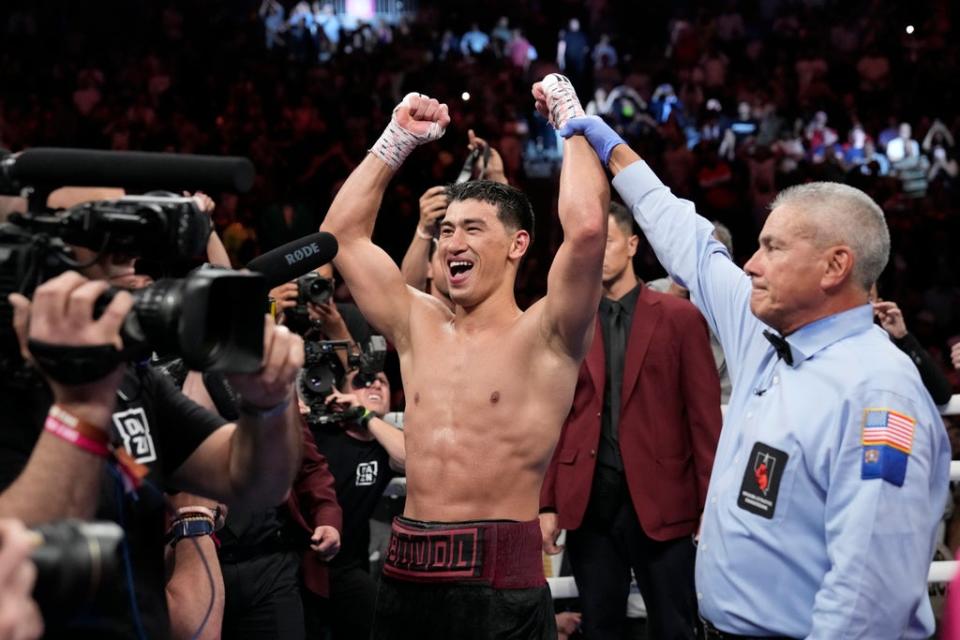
(556, 99)
(416, 120)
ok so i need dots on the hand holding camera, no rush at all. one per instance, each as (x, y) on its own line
(433, 206)
(327, 318)
(285, 295)
(78, 354)
(272, 386)
(339, 401)
(488, 164)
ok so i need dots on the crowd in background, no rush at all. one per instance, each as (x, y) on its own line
(730, 102)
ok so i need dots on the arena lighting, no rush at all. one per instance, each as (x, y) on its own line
(909, 29)
(465, 96)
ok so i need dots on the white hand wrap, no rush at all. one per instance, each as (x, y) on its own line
(562, 99)
(396, 143)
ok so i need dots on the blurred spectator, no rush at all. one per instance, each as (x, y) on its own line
(274, 22)
(520, 51)
(714, 64)
(328, 21)
(938, 137)
(943, 168)
(820, 138)
(474, 42)
(903, 146)
(663, 102)
(573, 50)
(908, 163)
(501, 36)
(301, 28)
(448, 43)
(604, 55)
(729, 25)
(874, 70)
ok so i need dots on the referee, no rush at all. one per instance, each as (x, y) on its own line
(832, 468)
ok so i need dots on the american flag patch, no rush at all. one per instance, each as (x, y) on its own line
(884, 427)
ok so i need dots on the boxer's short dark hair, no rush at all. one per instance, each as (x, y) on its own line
(513, 208)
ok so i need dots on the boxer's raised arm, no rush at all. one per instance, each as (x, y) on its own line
(374, 279)
(574, 281)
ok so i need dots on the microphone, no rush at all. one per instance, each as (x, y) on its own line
(294, 259)
(134, 170)
(759, 392)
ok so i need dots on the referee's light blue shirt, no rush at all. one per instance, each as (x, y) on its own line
(808, 531)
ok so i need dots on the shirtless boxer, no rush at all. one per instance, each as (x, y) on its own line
(487, 385)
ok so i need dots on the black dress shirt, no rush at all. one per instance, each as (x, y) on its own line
(616, 317)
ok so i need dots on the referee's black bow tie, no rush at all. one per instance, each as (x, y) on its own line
(781, 345)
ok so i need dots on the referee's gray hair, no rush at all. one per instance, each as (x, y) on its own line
(846, 215)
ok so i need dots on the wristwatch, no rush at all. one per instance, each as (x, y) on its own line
(189, 528)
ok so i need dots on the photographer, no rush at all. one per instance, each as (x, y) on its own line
(106, 411)
(307, 306)
(19, 616)
(364, 455)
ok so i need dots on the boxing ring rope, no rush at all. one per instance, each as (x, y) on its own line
(940, 571)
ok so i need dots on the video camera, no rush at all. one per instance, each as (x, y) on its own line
(322, 370)
(218, 329)
(207, 317)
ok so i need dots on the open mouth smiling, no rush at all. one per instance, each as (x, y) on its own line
(459, 269)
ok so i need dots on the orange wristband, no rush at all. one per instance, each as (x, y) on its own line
(82, 427)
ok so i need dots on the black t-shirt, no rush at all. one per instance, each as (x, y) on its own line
(159, 427)
(362, 471)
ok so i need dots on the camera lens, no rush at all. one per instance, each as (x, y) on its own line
(319, 291)
(77, 563)
(317, 381)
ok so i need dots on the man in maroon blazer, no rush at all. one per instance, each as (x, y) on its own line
(629, 484)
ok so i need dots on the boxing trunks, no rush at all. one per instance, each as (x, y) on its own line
(478, 580)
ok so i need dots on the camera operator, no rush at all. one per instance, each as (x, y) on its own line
(19, 615)
(194, 586)
(364, 455)
(260, 552)
(326, 320)
(104, 409)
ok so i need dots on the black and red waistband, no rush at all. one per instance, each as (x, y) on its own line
(500, 553)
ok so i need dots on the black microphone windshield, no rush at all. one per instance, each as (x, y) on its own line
(133, 170)
(294, 259)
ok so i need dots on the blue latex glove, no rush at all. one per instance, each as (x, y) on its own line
(597, 132)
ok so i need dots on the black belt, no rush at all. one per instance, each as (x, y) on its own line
(710, 632)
